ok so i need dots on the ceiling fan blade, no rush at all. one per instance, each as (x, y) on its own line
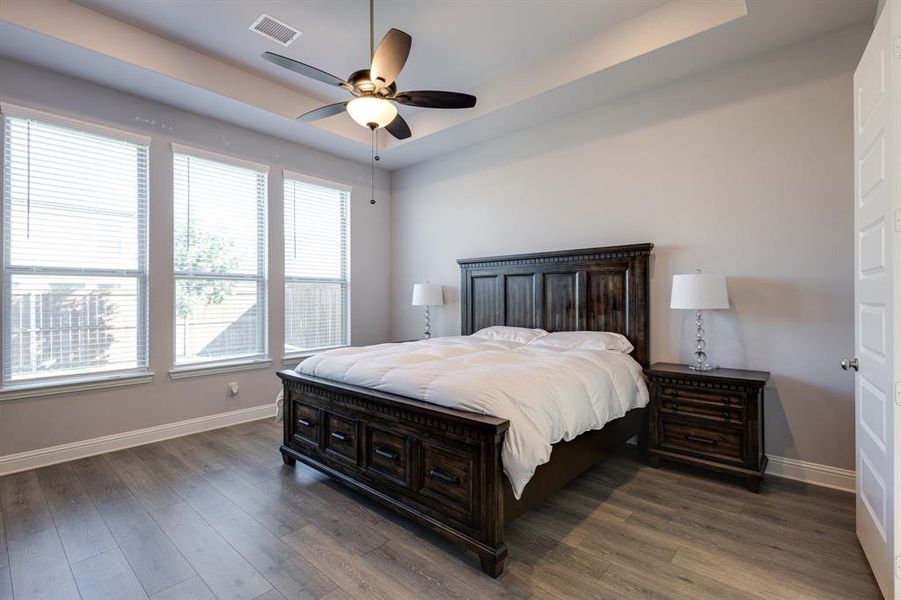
(389, 57)
(434, 99)
(323, 112)
(399, 128)
(303, 69)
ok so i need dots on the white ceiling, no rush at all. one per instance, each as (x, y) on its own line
(457, 45)
(523, 59)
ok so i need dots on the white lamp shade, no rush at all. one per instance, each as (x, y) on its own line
(427, 294)
(697, 291)
(367, 109)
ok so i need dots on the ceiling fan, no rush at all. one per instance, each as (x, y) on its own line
(374, 90)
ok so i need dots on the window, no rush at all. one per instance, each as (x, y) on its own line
(74, 250)
(220, 258)
(317, 273)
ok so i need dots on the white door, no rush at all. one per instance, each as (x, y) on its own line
(877, 387)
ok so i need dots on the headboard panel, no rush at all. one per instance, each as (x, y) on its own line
(594, 289)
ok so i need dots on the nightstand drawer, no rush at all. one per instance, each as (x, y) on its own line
(724, 408)
(711, 443)
(711, 395)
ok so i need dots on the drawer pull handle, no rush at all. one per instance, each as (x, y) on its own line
(438, 474)
(387, 454)
(702, 440)
(305, 422)
(340, 437)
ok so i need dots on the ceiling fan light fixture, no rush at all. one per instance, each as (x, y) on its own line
(368, 109)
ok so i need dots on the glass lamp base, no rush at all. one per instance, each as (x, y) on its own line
(703, 367)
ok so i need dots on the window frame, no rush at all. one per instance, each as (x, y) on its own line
(231, 363)
(345, 262)
(56, 384)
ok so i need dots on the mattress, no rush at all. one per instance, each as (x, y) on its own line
(549, 394)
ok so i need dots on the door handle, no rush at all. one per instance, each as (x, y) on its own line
(850, 363)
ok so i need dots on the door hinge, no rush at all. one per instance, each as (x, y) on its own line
(896, 46)
(898, 219)
(898, 567)
(898, 393)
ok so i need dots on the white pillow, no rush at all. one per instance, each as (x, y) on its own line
(522, 335)
(586, 340)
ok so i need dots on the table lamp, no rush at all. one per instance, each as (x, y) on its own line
(427, 294)
(699, 291)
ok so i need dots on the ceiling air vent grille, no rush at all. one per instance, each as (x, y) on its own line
(275, 30)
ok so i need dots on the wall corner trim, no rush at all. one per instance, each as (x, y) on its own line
(812, 473)
(43, 457)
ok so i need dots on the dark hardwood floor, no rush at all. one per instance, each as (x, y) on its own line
(217, 515)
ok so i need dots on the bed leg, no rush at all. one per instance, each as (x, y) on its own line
(492, 565)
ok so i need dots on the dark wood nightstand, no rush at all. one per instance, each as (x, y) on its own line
(709, 419)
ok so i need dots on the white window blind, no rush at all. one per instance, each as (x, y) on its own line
(317, 270)
(74, 251)
(220, 260)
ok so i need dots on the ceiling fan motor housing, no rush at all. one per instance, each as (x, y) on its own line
(362, 85)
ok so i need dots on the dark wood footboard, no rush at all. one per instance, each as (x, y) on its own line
(437, 466)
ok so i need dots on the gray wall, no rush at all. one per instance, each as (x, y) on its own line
(745, 171)
(40, 422)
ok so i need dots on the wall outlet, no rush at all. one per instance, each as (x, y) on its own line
(233, 388)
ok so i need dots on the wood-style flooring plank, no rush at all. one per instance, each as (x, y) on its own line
(25, 511)
(274, 515)
(80, 527)
(195, 456)
(107, 576)
(272, 594)
(190, 589)
(99, 480)
(353, 573)
(39, 569)
(6, 584)
(222, 568)
(185, 480)
(286, 570)
(154, 558)
(143, 482)
(338, 594)
(4, 555)
(748, 577)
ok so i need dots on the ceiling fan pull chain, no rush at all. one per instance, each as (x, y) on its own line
(373, 138)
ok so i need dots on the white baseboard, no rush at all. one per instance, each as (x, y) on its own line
(43, 457)
(808, 472)
(812, 473)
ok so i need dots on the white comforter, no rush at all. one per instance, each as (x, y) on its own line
(547, 393)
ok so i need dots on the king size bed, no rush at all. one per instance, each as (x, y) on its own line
(463, 434)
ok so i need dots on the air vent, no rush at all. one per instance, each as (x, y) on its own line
(275, 30)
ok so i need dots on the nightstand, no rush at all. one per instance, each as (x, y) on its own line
(709, 419)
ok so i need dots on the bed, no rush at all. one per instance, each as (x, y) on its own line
(442, 467)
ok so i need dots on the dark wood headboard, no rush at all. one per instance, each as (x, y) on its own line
(593, 289)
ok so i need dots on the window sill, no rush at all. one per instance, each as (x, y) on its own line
(36, 390)
(217, 368)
